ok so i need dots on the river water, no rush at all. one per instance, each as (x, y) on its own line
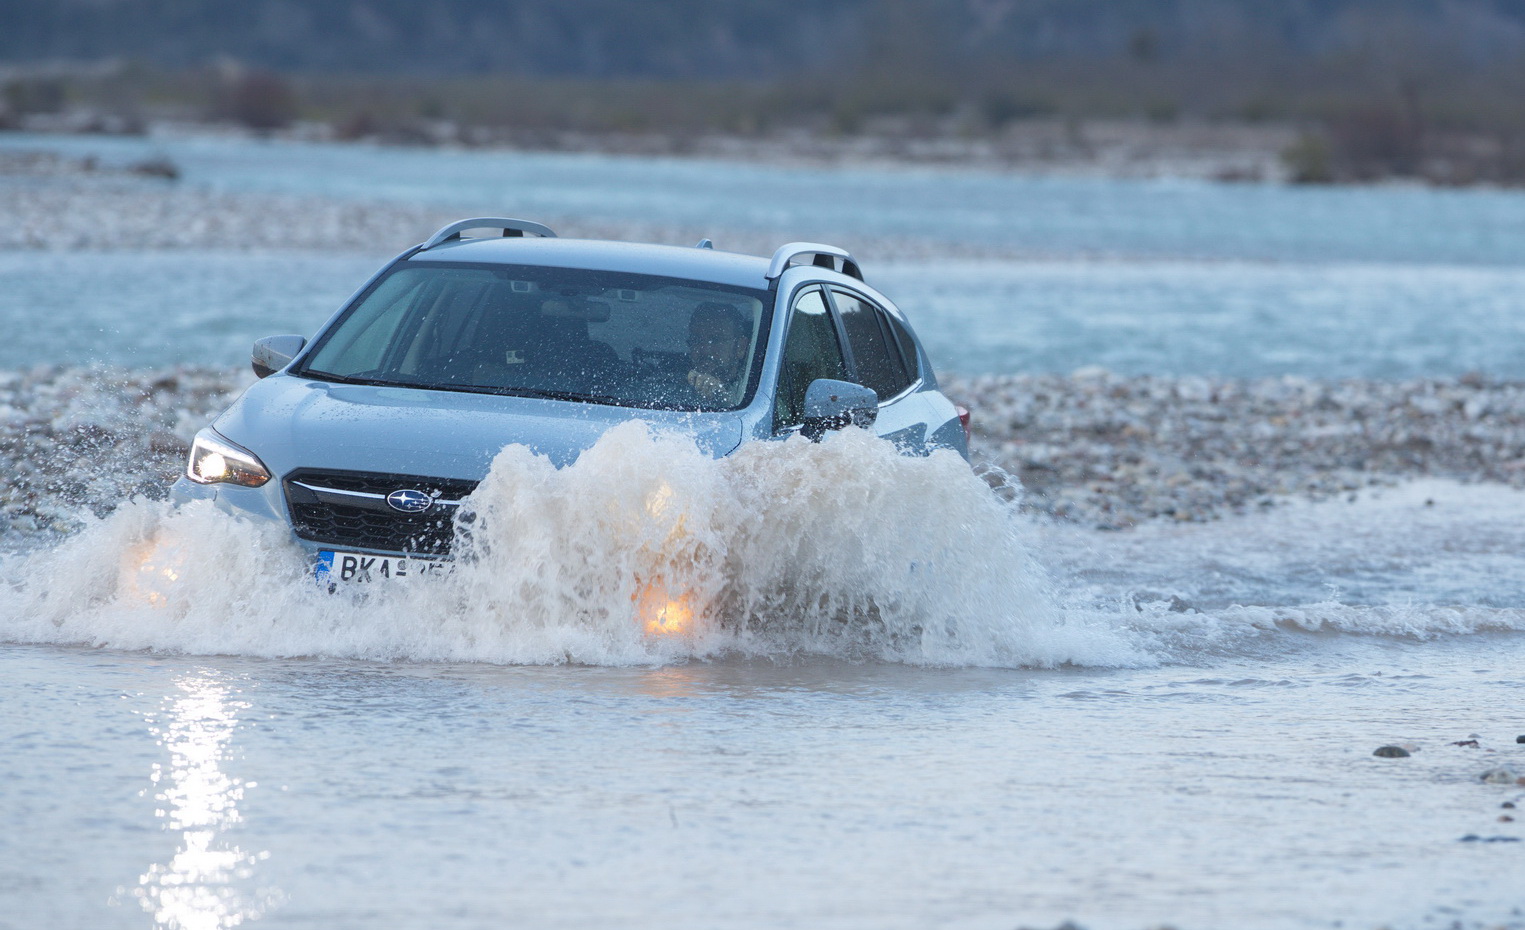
(899, 703)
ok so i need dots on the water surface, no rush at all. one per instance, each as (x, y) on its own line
(909, 706)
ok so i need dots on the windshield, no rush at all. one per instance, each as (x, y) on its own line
(572, 334)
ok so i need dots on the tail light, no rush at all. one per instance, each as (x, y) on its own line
(963, 420)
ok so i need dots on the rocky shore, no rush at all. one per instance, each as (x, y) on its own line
(1092, 448)
(51, 202)
(1111, 451)
(1037, 146)
(75, 440)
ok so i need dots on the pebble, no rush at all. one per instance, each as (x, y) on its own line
(80, 441)
(71, 203)
(1391, 752)
(1088, 448)
(1114, 451)
(1502, 775)
(1092, 447)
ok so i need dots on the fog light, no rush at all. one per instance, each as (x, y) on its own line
(663, 614)
(150, 572)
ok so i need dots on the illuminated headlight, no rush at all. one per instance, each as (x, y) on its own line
(214, 460)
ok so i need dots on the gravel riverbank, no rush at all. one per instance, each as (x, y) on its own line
(51, 202)
(74, 440)
(1111, 451)
(1093, 448)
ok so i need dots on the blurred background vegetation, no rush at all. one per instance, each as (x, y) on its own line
(1366, 89)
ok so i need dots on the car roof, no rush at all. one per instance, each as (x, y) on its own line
(698, 264)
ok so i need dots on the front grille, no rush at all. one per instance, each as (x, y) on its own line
(348, 509)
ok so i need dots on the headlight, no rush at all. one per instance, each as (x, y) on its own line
(214, 460)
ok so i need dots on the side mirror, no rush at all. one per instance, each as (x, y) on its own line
(273, 353)
(833, 404)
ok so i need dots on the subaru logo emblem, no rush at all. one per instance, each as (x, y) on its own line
(409, 501)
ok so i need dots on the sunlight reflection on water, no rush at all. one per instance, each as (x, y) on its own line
(202, 887)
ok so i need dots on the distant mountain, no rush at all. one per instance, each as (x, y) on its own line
(762, 39)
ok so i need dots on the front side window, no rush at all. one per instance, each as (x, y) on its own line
(574, 334)
(877, 357)
(811, 351)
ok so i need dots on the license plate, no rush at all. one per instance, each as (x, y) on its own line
(359, 568)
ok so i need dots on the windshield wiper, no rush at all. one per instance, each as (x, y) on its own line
(343, 379)
(539, 393)
(609, 400)
(527, 392)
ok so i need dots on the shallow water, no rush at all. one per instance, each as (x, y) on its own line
(199, 792)
(1041, 217)
(152, 309)
(895, 702)
(1233, 319)
(1141, 277)
(1230, 319)
(1427, 542)
(1029, 730)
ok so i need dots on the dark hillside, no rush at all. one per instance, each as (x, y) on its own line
(757, 39)
(1425, 88)
(553, 38)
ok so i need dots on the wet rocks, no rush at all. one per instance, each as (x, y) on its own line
(1114, 451)
(67, 204)
(1391, 752)
(1092, 447)
(77, 441)
(156, 168)
(41, 217)
(1500, 775)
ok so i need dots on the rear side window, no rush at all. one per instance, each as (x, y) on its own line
(810, 352)
(877, 356)
(907, 343)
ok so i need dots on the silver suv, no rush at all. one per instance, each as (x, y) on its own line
(366, 439)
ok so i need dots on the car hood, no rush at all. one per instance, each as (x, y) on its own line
(292, 422)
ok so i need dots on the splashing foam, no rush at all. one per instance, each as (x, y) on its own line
(1233, 628)
(645, 550)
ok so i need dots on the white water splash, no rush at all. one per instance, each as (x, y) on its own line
(645, 550)
(1429, 559)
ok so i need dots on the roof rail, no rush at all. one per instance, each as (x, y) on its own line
(511, 228)
(825, 256)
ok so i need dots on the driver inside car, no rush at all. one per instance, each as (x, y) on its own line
(719, 337)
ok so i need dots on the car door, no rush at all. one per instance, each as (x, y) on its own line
(812, 349)
(878, 360)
